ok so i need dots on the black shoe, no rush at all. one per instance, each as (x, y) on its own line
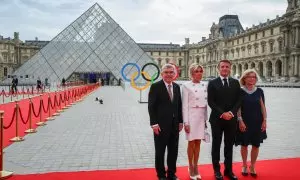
(162, 178)
(218, 176)
(230, 175)
(174, 177)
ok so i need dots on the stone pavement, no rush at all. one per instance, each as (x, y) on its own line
(116, 135)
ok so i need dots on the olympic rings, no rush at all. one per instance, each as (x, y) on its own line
(133, 64)
(139, 72)
(153, 78)
(133, 82)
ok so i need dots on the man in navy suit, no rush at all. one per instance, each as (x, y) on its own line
(224, 100)
(165, 111)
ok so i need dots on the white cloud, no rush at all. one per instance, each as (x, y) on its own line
(160, 21)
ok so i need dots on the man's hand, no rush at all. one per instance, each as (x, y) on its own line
(180, 126)
(156, 129)
(226, 115)
(187, 128)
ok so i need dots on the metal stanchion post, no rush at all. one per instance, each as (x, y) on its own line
(17, 138)
(3, 174)
(30, 130)
(41, 123)
(49, 118)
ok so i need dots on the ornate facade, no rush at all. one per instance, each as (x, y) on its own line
(272, 48)
(13, 53)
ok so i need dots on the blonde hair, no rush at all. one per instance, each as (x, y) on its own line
(193, 67)
(246, 73)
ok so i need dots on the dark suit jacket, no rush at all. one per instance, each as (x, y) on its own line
(222, 99)
(162, 111)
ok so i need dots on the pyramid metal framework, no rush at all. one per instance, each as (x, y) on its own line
(94, 42)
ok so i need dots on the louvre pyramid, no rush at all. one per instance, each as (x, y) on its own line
(94, 42)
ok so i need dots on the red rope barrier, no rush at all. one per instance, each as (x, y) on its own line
(12, 120)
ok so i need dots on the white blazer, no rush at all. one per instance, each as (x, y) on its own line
(193, 96)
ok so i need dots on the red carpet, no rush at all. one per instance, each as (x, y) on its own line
(278, 169)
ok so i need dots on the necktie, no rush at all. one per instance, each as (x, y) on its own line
(170, 91)
(225, 83)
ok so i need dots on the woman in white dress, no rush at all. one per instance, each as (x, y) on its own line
(194, 106)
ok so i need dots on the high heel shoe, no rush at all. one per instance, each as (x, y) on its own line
(196, 173)
(191, 173)
(252, 171)
(244, 171)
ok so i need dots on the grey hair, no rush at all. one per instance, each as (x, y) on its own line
(168, 66)
(193, 67)
(245, 73)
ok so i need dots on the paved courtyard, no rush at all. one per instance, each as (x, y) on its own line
(116, 135)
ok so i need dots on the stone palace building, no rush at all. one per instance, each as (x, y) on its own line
(272, 48)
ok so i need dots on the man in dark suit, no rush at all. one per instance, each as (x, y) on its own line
(165, 111)
(224, 99)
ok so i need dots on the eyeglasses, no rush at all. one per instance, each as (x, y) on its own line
(168, 72)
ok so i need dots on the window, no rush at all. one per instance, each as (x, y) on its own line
(263, 48)
(197, 61)
(159, 53)
(263, 34)
(249, 38)
(232, 43)
(159, 61)
(243, 39)
(280, 46)
(5, 71)
(179, 53)
(271, 47)
(255, 36)
(197, 50)
(167, 53)
(180, 62)
(272, 31)
(151, 53)
(238, 41)
(5, 56)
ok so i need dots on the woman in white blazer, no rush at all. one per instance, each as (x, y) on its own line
(194, 106)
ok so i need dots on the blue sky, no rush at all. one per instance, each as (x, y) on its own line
(147, 21)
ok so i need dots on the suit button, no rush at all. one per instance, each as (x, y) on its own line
(197, 106)
(197, 98)
(196, 91)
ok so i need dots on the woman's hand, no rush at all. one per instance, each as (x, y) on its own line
(187, 128)
(242, 126)
(263, 126)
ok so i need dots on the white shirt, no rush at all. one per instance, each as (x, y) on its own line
(224, 78)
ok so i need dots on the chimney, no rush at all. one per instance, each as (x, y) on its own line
(203, 38)
(1, 37)
(36, 39)
(187, 41)
(209, 36)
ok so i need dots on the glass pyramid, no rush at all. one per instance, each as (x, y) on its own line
(94, 42)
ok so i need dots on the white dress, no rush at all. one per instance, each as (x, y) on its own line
(194, 108)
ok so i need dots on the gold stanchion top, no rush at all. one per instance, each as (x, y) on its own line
(1, 112)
